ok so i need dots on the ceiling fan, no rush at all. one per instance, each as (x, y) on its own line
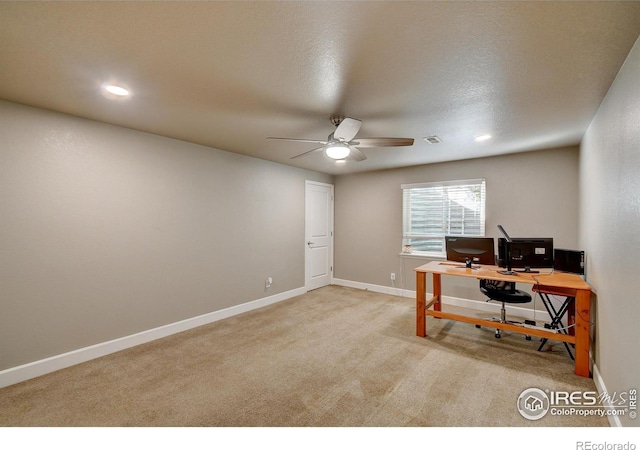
(341, 145)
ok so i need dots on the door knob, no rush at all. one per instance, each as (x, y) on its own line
(310, 243)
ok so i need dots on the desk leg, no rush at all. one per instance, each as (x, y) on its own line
(571, 316)
(421, 283)
(437, 291)
(582, 327)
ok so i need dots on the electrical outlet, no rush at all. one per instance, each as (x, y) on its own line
(393, 276)
(268, 282)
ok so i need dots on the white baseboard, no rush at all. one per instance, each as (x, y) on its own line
(42, 367)
(37, 368)
(492, 308)
(614, 421)
(374, 288)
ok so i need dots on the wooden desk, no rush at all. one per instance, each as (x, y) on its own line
(564, 282)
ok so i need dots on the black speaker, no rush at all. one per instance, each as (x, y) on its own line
(568, 261)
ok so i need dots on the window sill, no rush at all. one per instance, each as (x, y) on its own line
(419, 256)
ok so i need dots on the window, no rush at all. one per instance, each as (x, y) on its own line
(431, 211)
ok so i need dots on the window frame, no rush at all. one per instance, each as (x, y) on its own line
(446, 188)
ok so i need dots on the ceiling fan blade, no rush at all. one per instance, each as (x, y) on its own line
(356, 154)
(347, 129)
(305, 153)
(383, 142)
(299, 140)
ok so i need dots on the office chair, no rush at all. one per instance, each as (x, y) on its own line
(503, 292)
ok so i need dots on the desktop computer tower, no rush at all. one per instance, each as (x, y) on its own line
(568, 261)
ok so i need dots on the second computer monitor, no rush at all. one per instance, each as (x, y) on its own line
(526, 253)
(476, 250)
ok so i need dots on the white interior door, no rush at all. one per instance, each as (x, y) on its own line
(318, 235)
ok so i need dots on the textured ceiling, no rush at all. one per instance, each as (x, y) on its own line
(230, 74)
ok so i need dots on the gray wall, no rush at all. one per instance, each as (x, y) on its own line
(106, 232)
(610, 226)
(530, 194)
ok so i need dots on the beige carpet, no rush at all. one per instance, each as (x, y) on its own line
(332, 357)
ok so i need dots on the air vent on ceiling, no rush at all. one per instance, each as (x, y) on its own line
(433, 139)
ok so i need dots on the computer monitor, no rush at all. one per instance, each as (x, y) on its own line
(525, 253)
(470, 250)
(571, 261)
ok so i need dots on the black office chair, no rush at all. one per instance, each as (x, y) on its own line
(504, 292)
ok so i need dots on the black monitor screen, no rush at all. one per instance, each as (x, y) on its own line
(526, 253)
(478, 250)
(571, 261)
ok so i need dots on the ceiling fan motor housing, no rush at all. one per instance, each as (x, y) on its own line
(336, 120)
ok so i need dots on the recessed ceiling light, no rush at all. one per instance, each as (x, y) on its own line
(116, 90)
(484, 137)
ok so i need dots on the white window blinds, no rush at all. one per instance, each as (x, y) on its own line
(431, 211)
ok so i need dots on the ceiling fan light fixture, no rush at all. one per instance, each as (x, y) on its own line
(342, 143)
(337, 151)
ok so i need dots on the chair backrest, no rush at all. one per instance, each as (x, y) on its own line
(496, 285)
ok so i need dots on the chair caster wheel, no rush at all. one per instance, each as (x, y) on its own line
(528, 338)
(497, 335)
(478, 326)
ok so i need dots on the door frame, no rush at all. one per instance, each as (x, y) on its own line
(307, 183)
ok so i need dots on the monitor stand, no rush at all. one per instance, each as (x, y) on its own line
(507, 272)
(468, 264)
(528, 270)
(507, 256)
